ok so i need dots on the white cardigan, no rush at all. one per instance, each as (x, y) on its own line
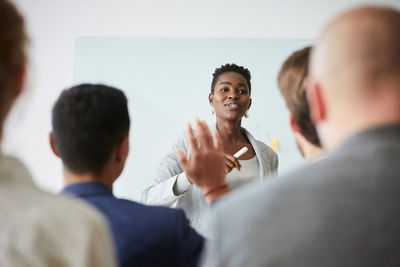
(192, 201)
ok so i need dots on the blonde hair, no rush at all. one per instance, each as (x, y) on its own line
(291, 80)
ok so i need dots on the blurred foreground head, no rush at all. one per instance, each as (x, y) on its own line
(355, 74)
(292, 79)
(12, 56)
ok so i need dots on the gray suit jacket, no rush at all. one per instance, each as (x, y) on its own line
(343, 210)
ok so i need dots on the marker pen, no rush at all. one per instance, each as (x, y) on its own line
(241, 152)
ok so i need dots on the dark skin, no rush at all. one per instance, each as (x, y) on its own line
(230, 100)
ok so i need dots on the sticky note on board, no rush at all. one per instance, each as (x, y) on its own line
(274, 144)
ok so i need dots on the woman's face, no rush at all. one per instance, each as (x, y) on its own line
(231, 97)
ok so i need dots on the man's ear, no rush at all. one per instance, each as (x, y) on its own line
(52, 145)
(316, 102)
(123, 149)
(211, 99)
(292, 123)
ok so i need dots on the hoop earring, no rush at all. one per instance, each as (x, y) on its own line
(246, 115)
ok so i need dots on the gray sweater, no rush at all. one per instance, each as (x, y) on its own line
(342, 210)
(192, 201)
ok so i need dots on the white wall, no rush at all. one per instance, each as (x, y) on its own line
(54, 24)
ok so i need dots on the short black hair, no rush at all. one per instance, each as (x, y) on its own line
(88, 121)
(231, 68)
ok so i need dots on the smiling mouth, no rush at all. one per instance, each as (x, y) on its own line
(232, 105)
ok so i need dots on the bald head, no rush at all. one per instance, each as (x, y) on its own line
(355, 73)
(358, 49)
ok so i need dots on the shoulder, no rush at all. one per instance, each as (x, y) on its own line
(265, 149)
(306, 204)
(264, 152)
(302, 178)
(26, 199)
(261, 146)
(261, 215)
(256, 205)
(66, 221)
(14, 171)
(81, 215)
(64, 225)
(155, 215)
(41, 220)
(181, 141)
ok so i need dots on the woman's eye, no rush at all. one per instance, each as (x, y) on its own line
(243, 92)
(224, 89)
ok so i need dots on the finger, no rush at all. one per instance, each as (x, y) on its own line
(191, 139)
(182, 159)
(218, 144)
(229, 163)
(203, 133)
(230, 157)
(234, 160)
(227, 169)
(237, 164)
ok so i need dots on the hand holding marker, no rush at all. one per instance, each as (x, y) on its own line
(237, 155)
(231, 161)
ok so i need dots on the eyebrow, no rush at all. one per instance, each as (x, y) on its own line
(240, 84)
(225, 83)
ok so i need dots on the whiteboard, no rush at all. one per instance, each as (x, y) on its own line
(167, 82)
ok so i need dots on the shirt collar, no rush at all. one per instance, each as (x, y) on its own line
(87, 189)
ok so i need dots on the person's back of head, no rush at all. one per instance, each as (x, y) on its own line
(89, 121)
(342, 210)
(13, 40)
(355, 71)
(291, 81)
(32, 220)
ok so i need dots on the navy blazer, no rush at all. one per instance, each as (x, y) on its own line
(143, 235)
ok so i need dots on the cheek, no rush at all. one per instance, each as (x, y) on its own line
(218, 99)
(248, 102)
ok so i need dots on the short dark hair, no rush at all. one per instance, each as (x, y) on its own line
(88, 121)
(291, 84)
(231, 68)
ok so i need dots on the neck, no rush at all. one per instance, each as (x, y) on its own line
(309, 151)
(229, 130)
(312, 152)
(334, 134)
(75, 178)
(347, 116)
